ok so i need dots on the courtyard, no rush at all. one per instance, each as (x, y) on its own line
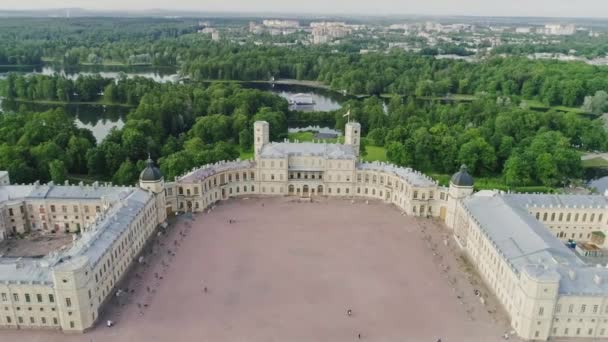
(34, 244)
(273, 269)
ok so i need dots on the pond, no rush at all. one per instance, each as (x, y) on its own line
(322, 100)
(99, 119)
(160, 75)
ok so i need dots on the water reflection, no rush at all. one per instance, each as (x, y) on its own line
(324, 100)
(160, 75)
(100, 119)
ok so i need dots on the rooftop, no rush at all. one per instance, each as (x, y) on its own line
(409, 175)
(89, 247)
(205, 171)
(327, 151)
(527, 245)
(47, 191)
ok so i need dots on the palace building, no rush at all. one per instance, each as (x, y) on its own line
(67, 287)
(541, 255)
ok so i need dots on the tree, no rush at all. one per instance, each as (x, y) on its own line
(126, 174)
(96, 162)
(77, 154)
(479, 156)
(596, 104)
(58, 171)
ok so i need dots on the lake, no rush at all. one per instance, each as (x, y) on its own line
(157, 74)
(101, 119)
(324, 100)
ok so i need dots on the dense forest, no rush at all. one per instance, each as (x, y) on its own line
(185, 125)
(175, 43)
(182, 125)
(191, 123)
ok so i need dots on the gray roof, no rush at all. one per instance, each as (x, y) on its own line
(90, 247)
(563, 201)
(50, 191)
(327, 151)
(201, 173)
(151, 173)
(528, 246)
(408, 175)
(95, 243)
(462, 177)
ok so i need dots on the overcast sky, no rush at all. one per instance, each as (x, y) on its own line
(545, 8)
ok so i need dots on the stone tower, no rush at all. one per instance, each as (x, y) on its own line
(261, 134)
(151, 179)
(352, 135)
(461, 186)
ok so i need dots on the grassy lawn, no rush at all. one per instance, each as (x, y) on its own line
(535, 104)
(310, 136)
(375, 153)
(245, 155)
(492, 183)
(595, 162)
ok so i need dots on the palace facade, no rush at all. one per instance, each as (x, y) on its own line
(541, 255)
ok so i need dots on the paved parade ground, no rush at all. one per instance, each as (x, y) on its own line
(288, 272)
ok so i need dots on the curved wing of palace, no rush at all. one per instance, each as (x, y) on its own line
(542, 255)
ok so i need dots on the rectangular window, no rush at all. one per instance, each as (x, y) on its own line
(15, 297)
(4, 299)
(51, 298)
(583, 308)
(541, 310)
(71, 324)
(8, 319)
(27, 297)
(55, 321)
(20, 319)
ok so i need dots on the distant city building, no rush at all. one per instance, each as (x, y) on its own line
(523, 30)
(558, 29)
(281, 24)
(325, 32)
(215, 36)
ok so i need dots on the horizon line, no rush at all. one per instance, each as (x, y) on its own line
(295, 15)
